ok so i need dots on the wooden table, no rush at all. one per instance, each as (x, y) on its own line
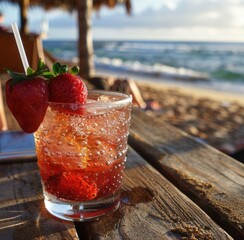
(173, 188)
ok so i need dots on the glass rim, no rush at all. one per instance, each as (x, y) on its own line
(125, 99)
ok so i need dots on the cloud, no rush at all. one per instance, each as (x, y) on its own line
(186, 13)
(64, 22)
(177, 13)
(169, 34)
(207, 20)
(63, 33)
(56, 18)
(171, 19)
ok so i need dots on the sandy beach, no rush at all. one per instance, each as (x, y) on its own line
(197, 92)
(213, 117)
(182, 86)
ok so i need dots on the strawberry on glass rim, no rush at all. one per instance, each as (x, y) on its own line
(66, 87)
(27, 97)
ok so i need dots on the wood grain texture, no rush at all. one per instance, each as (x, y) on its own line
(212, 179)
(151, 208)
(22, 211)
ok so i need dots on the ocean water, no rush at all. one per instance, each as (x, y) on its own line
(208, 64)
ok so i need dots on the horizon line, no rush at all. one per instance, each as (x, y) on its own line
(150, 40)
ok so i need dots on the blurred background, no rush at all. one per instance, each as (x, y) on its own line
(187, 56)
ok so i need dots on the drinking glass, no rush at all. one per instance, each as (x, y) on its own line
(81, 151)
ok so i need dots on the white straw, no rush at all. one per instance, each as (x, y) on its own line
(20, 46)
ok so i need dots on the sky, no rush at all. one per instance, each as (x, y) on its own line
(178, 20)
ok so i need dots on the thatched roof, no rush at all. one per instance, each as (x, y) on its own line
(97, 4)
(72, 4)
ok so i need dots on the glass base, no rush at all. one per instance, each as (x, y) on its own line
(81, 211)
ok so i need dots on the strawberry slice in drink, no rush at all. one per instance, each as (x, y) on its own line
(70, 185)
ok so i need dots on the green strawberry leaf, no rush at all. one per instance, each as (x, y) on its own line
(31, 74)
(56, 68)
(41, 64)
(48, 75)
(63, 69)
(59, 68)
(30, 71)
(39, 71)
(74, 70)
(16, 77)
(42, 70)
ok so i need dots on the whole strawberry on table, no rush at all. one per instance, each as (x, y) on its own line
(28, 95)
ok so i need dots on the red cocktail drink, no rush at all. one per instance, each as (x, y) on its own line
(81, 150)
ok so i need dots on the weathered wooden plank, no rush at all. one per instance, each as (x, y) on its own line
(212, 179)
(22, 211)
(151, 208)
